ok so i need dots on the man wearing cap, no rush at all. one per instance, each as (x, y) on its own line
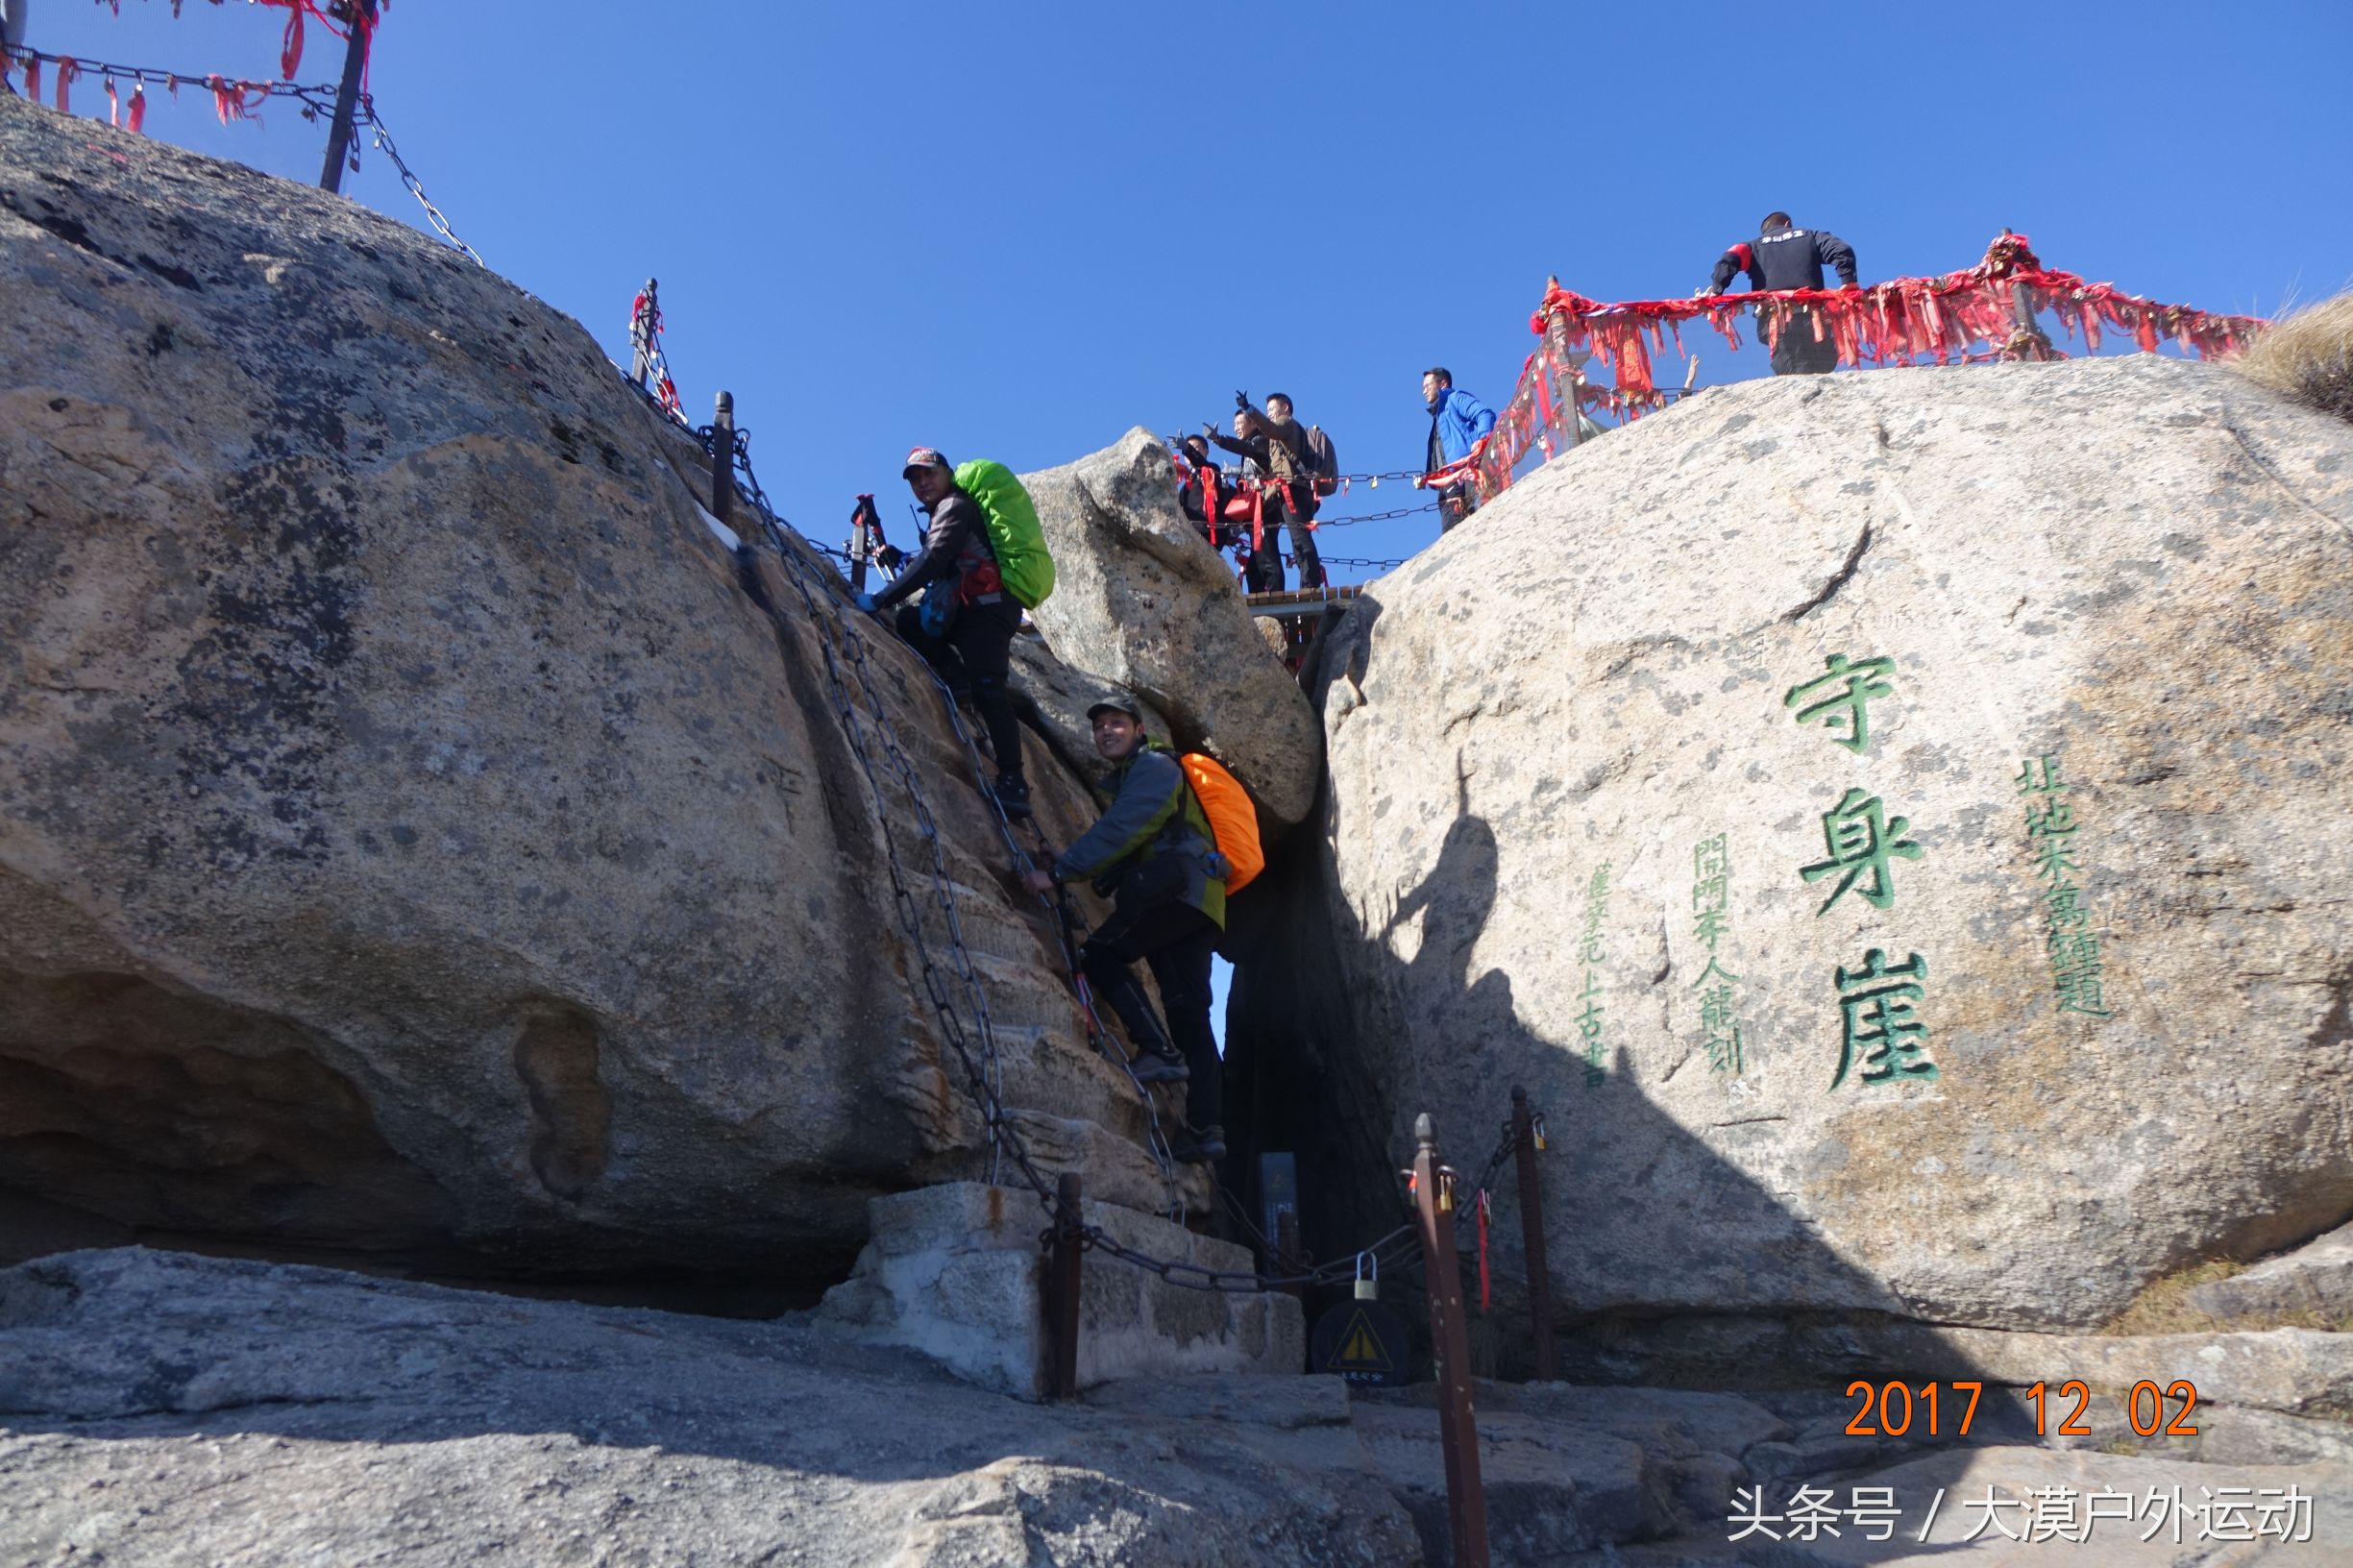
(965, 624)
(1155, 853)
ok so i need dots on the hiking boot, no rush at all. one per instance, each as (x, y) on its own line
(1151, 1067)
(1012, 792)
(1205, 1147)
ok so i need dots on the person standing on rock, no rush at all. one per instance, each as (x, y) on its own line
(1155, 853)
(1782, 257)
(1278, 445)
(1458, 423)
(965, 627)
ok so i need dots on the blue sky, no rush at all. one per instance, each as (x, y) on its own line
(1015, 232)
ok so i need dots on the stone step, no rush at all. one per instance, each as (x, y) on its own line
(1110, 1167)
(954, 1271)
(1046, 1068)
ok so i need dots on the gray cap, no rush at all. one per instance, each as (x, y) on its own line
(1117, 702)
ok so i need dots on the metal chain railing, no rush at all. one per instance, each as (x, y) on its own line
(840, 645)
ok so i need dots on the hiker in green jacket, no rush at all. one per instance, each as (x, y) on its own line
(1154, 852)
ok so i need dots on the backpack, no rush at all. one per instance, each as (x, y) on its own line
(1325, 459)
(1233, 821)
(1014, 534)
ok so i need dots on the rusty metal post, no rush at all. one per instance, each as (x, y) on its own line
(1061, 1288)
(360, 17)
(722, 460)
(1531, 1234)
(1434, 1203)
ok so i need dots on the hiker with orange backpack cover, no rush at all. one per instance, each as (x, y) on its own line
(1155, 853)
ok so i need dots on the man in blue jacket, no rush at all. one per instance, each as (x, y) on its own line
(1154, 852)
(1784, 255)
(1457, 422)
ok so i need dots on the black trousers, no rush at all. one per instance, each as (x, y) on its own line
(1456, 503)
(975, 659)
(1797, 353)
(1176, 940)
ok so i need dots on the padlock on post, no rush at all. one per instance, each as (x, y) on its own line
(1368, 1286)
(1446, 1190)
(1537, 1128)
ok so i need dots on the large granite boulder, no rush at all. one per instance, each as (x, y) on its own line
(1142, 601)
(421, 834)
(1896, 824)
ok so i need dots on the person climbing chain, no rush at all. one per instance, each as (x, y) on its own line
(1155, 855)
(966, 623)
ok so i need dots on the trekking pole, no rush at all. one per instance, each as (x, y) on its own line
(722, 460)
(1527, 1138)
(1433, 1202)
(361, 19)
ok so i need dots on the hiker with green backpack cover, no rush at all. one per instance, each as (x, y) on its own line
(984, 561)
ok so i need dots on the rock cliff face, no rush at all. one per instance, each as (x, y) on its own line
(1895, 825)
(420, 834)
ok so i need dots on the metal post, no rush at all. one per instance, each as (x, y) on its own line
(1061, 1288)
(861, 542)
(722, 460)
(1531, 1234)
(641, 334)
(360, 17)
(1433, 1202)
(1285, 1261)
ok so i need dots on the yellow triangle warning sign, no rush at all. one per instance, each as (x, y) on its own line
(1360, 1347)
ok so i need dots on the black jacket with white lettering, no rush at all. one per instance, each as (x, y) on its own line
(1786, 259)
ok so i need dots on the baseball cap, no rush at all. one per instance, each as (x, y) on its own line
(1117, 703)
(924, 457)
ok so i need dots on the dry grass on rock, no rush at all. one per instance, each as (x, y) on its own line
(2308, 357)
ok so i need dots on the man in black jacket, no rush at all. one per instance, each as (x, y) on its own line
(1277, 444)
(965, 624)
(1783, 257)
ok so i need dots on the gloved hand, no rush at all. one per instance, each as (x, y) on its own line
(866, 602)
(1207, 429)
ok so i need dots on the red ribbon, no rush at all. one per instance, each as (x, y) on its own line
(1971, 314)
(67, 70)
(138, 110)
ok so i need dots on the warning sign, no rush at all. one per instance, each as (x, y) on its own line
(1363, 1341)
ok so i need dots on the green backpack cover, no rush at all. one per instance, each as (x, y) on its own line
(1021, 557)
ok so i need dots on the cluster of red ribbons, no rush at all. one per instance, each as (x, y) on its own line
(1985, 312)
(232, 98)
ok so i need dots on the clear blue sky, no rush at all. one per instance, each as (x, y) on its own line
(1015, 232)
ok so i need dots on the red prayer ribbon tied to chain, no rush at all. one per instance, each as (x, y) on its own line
(1982, 313)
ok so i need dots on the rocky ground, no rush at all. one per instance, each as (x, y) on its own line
(164, 1409)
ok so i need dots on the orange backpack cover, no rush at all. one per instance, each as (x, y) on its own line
(1233, 819)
